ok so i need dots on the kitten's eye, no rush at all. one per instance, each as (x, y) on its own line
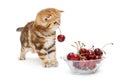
(46, 19)
(54, 22)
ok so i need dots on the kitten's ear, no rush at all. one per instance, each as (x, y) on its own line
(46, 18)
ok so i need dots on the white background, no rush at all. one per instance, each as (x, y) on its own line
(90, 21)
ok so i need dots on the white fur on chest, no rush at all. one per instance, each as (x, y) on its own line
(49, 41)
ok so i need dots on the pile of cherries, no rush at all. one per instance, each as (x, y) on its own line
(86, 58)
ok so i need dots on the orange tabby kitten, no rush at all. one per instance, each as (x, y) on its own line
(39, 36)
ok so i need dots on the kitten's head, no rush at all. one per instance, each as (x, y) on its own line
(49, 18)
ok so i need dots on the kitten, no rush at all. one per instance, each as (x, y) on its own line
(39, 36)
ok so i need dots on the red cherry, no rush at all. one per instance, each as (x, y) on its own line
(70, 55)
(75, 57)
(83, 50)
(97, 57)
(92, 64)
(91, 54)
(83, 64)
(76, 64)
(98, 51)
(60, 38)
(83, 58)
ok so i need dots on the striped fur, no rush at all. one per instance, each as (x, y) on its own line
(39, 36)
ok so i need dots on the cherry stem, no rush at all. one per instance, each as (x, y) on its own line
(92, 47)
(80, 56)
(77, 46)
(74, 46)
(83, 45)
(106, 45)
(59, 30)
(104, 52)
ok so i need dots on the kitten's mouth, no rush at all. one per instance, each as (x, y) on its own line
(55, 28)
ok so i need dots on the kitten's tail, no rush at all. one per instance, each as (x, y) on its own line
(19, 29)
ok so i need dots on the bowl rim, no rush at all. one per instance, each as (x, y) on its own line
(65, 59)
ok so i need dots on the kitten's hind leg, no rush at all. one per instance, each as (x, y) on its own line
(23, 53)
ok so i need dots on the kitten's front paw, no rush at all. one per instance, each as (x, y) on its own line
(22, 58)
(50, 64)
(54, 63)
(47, 64)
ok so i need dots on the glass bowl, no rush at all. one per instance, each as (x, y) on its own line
(84, 66)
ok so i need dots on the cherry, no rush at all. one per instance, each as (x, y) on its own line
(91, 54)
(83, 58)
(83, 65)
(75, 57)
(98, 51)
(70, 55)
(92, 64)
(76, 65)
(97, 57)
(60, 38)
(83, 50)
